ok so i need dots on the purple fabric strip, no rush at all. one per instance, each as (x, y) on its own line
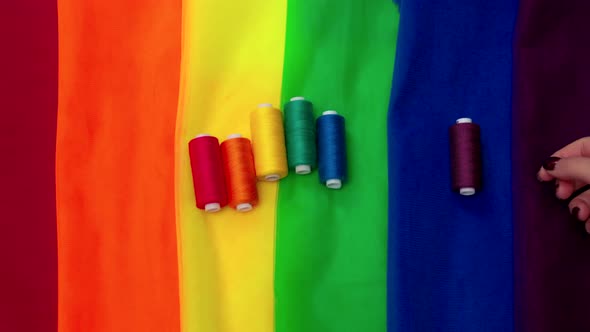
(552, 109)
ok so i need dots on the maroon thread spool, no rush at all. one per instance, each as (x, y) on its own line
(466, 162)
(207, 169)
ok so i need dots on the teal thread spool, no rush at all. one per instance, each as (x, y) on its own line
(300, 135)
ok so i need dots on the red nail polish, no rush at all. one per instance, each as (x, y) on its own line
(549, 163)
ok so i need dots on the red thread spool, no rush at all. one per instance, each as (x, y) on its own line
(466, 162)
(238, 165)
(208, 177)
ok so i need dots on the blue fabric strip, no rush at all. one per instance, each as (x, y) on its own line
(450, 256)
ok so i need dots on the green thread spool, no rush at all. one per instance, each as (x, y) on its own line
(300, 135)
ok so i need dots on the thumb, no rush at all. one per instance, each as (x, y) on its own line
(574, 168)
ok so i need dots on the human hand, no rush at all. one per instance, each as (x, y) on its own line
(570, 168)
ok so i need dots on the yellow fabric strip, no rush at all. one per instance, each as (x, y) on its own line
(232, 60)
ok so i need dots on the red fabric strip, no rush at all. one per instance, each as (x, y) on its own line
(28, 109)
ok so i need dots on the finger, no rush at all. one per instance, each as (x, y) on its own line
(568, 190)
(548, 164)
(564, 189)
(578, 148)
(580, 206)
(571, 169)
(578, 192)
(543, 176)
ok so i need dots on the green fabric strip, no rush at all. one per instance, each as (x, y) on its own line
(331, 245)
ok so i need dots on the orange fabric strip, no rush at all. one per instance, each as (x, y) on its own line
(119, 66)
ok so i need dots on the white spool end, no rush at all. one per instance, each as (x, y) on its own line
(244, 207)
(264, 105)
(467, 191)
(303, 169)
(296, 98)
(212, 207)
(334, 184)
(202, 135)
(234, 136)
(272, 177)
(464, 120)
(330, 112)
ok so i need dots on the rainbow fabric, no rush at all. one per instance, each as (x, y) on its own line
(100, 232)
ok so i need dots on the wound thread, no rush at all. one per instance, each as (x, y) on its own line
(207, 170)
(268, 143)
(466, 161)
(332, 163)
(240, 174)
(300, 135)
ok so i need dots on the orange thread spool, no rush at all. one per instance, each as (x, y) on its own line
(240, 174)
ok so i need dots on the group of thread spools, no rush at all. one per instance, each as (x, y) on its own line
(227, 173)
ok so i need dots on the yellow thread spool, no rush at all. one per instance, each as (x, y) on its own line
(268, 143)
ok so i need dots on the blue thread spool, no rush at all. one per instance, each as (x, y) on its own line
(331, 149)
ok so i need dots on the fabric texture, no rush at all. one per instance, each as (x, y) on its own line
(119, 66)
(332, 244)
(552, 109)
(450, 257)
(28, 107)
(232, 60)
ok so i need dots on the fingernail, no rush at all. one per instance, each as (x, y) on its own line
(549, 163)
(576, 212)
